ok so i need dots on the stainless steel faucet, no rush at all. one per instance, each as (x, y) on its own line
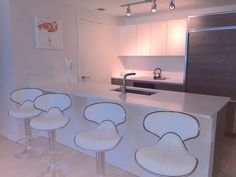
(123, 87)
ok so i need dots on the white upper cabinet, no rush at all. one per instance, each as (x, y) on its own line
(143, 39)
(176, 37)
(167, 38)
(128, 40)
(158, 38)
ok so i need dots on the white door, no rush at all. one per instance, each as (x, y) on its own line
(94, 51)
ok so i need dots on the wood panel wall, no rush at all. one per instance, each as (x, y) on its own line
(211, 63)
(213, 20)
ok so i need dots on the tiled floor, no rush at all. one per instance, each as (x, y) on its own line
(81, 164)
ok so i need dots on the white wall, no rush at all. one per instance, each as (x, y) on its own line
(169, 64)
(166, 63)
(19, 55)
(51, 62)
(8, 126)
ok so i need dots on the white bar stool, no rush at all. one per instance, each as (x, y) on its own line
(54, 105)
(106, 136)
(24, 98)
(169, 156)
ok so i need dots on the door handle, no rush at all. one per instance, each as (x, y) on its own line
(85, 77)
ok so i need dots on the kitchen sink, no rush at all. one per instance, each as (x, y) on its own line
(135, 91)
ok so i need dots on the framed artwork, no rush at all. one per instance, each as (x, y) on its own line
(48, 33)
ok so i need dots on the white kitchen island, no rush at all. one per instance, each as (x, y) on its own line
(204, 108)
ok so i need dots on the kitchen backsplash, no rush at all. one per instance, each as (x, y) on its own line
(171, 64)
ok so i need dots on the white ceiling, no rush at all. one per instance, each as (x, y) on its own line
(113, 6)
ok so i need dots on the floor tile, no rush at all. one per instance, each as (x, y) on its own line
(81, 164)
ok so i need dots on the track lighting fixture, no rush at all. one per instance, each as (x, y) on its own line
(128, 11)
(154, 6)
(172, 5)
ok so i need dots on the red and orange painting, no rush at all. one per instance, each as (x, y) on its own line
(48, 33)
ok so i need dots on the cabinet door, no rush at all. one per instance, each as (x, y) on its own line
(127, 40)
(158, 38)
(211, 63)
(176, 37)
(143, 39)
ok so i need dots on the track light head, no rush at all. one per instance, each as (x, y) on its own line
(172, 5)
(128, 11)
(154, 7)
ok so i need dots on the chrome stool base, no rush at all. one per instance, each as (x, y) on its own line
(54, 170)
(28, 151)
(25, 154)
(100, 164)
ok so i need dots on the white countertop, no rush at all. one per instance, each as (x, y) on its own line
(203, 105)
(172, 77)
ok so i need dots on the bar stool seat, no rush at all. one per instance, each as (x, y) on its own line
(103, 138)
(53, 105)
(25, 111)
(53, 120)
(168, 153)
(169, 156)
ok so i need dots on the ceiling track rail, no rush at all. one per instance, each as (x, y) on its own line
(136, 3)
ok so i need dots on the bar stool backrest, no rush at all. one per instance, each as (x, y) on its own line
(102, 111)
(163, 122)
(53, 100)
(19, 96)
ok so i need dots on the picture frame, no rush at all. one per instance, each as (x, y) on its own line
(48, 33)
